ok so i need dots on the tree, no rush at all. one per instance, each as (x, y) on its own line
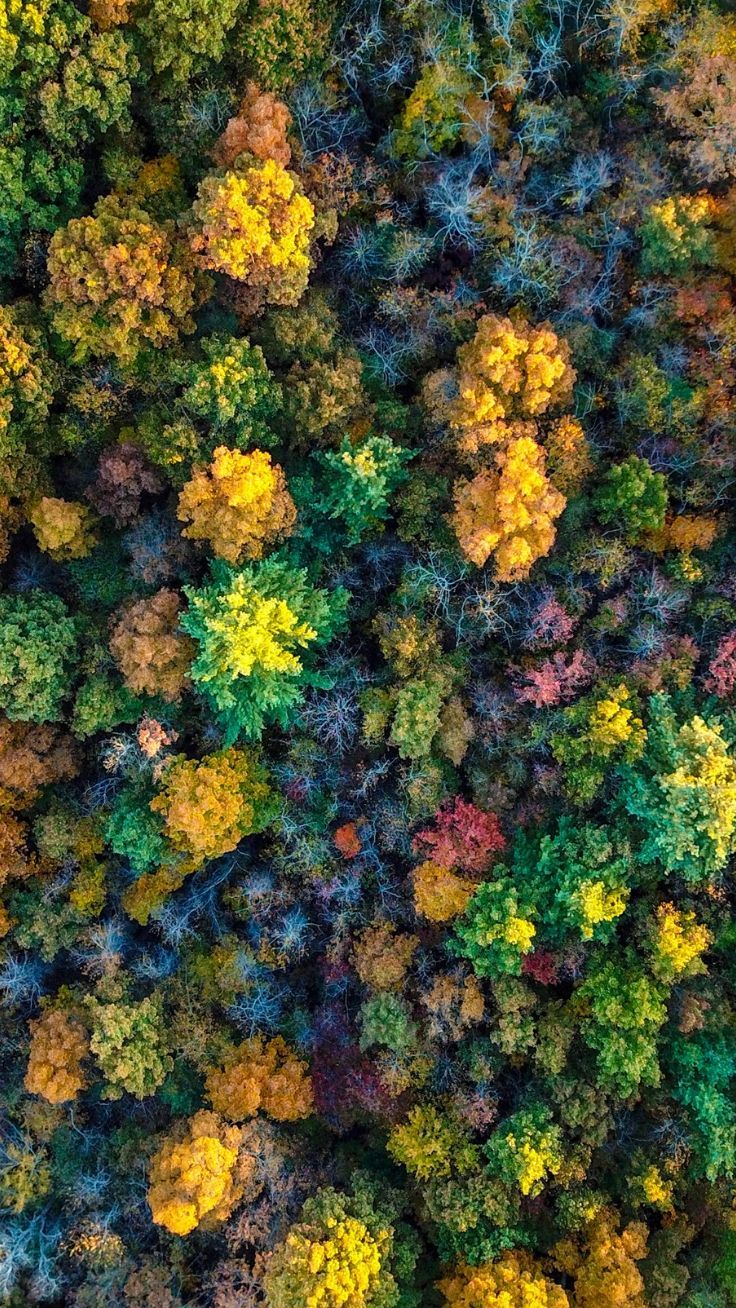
(508, 375)
(120, 282)
(31, 757)
(207, 26)
(129, 1043)
(604, 1265)
(430, 1144)
(280, 43)
(322, 398)
(257, 630)
(700, 108)
(209, 806)
(64, 87)
(261, 1074)
(526, 1149)
(259, 128)
(239, 504)
(254, 225)
(461, 836)
(433, 117)
(677, 234)
(64, 528)
(509, 512)
(515, 1280)
(343, 1251)
(677, 941)
(193, 1178)
(721, 678)
(439, 894)
(602, 730)
(580, 878)
(497, 928)
(153, 655)
(38, 644)
(685, 795)
(26, 383)
(59, 1045)
(633, 496)
(624, 1011)
(385, 1020)
(232, 390)
(383, 956)
(360, 482)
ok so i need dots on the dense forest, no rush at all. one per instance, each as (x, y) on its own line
(367, 653)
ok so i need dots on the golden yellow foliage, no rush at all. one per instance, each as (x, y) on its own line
(209, 806)
(153, 655)
(440, 894)
(605, 1270)
(612, 724)
(509, 512)
(508, 374)
(261, 1074)
(148, 892)
(382, 956)
(239, 504)
(59, 1043)
(63, 528)
(341, 1269)
(686, 532)
(515, 1280)
(568, 456)
(654, 1190)
(678, 942)
(254, 225)
(193, 1177)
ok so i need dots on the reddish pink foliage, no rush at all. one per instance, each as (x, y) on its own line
(549, 624)
(556, 681)
(541, 966)
(721, 678)
(123, 476)
(463, 836)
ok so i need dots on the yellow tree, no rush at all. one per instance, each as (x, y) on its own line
(264, 1075)
(119, 281)
(509, 511)
(508, 375)
(194, 1177)
(59, 1043)
(239, 504)
(253, 223)
(209, 806)
(515, 1280)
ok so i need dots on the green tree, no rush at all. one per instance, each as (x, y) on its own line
(623, 1011)
(257, 630)
(634, 497)
(684, 794)
(497, 928)
(38, 645)
(129, 1043)
(360, 482)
